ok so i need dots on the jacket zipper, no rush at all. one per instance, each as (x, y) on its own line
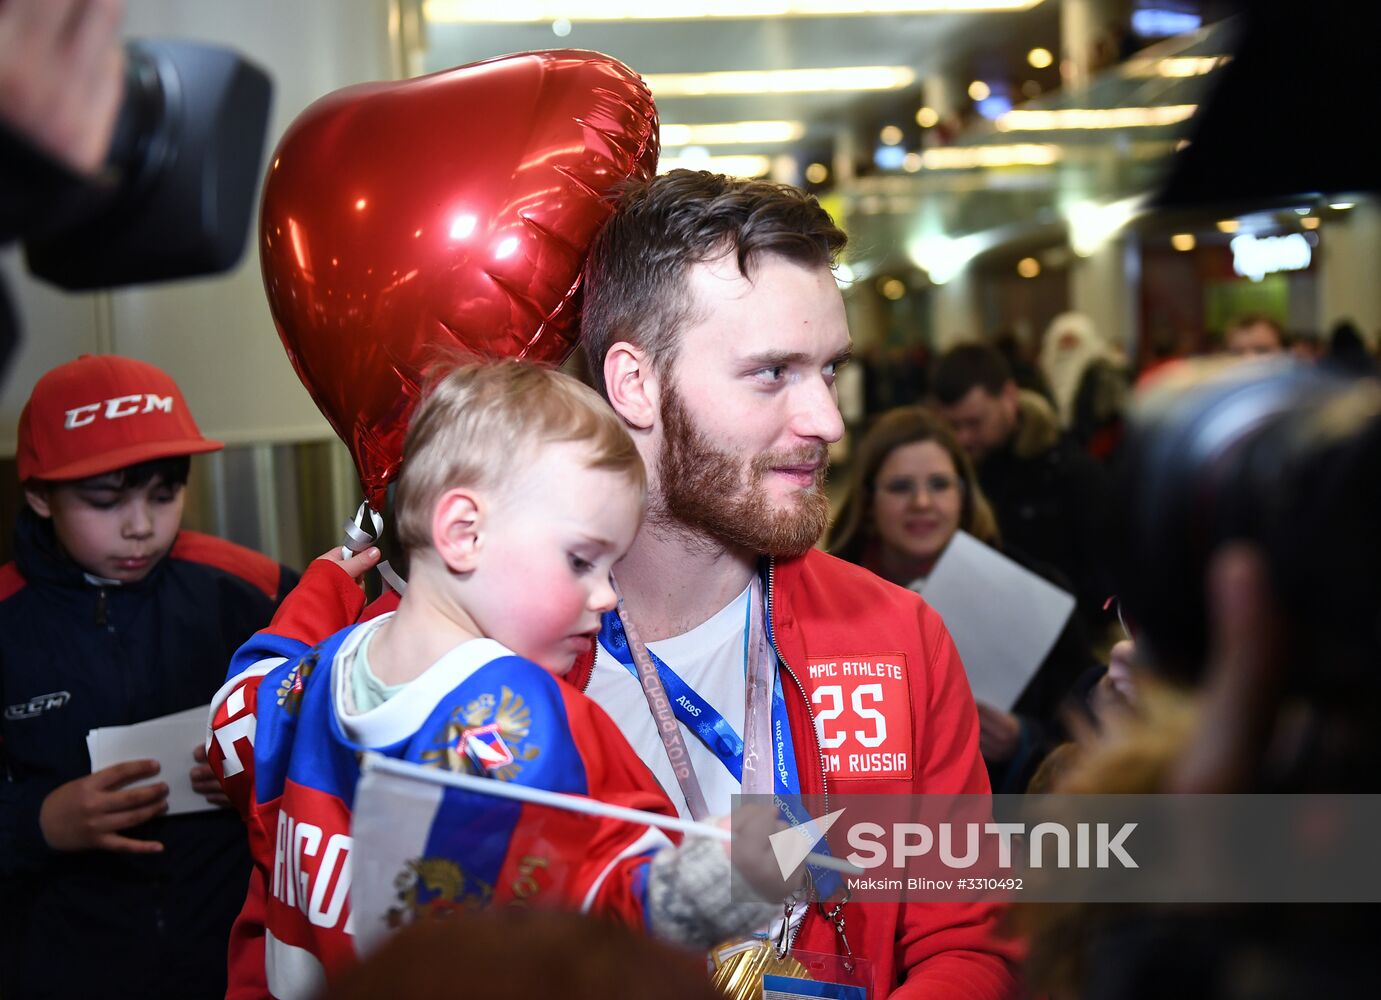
(814, 726)
(102, 618)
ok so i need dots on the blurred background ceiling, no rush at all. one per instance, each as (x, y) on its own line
(918, 123)
(1056, 143)
(814, 76)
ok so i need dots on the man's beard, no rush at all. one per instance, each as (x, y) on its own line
(704, 490)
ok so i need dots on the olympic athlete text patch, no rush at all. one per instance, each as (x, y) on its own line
(862, 708)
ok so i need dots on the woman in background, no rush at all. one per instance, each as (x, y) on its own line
(1090, 382)
(910, 489)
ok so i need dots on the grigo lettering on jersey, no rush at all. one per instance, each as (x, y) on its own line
(119, 406)
(311, 871)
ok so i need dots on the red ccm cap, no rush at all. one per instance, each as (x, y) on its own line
(101, 413)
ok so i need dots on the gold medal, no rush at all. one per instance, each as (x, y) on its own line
(739, 968)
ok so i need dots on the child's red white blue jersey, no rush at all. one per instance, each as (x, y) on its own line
(285, 744)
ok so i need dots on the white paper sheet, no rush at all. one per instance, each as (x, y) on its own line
(1003, 617)
(168, 740)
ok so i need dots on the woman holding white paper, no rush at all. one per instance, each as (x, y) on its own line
(911, 489)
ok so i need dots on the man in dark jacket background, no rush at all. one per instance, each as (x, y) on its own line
(1046, 493)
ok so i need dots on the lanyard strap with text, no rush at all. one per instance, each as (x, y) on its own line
(619, 635)
(671, 699)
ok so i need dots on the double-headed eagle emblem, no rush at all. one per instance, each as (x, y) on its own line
(290, 689)
(434, 887)
(486, 738)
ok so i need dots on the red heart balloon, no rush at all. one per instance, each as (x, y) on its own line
(450, 210)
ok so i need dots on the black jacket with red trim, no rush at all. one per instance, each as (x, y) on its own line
(75, 656)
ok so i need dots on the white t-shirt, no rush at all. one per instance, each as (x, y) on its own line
(709, 658)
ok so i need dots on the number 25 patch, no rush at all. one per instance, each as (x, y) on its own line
(863, 711)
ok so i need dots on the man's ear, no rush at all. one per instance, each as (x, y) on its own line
(456, 529)
(630, 379)
(38, 500)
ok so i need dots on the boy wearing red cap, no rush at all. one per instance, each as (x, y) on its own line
(113, 615)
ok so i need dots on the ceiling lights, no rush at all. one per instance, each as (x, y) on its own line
(1175, 67)
(734, 166)
(731, 133)
(943, 257)
(1092, 225)
(527, 11)
(780, 81)
(1072, 119)
(1022, 154)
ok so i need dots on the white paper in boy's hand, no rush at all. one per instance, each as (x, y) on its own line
(1004, 618)
(168, 740)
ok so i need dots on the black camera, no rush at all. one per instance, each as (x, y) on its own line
(177, 195)
(1284, 457)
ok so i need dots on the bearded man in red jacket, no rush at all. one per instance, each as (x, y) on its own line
(713, 325)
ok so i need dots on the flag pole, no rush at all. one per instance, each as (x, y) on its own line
(562, 800)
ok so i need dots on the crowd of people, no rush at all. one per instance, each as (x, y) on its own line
(694, 475)
(636, 591)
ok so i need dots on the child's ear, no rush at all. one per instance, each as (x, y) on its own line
(456, 522)
(38, 500)
(630, 379)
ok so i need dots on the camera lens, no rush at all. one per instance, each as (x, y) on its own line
(142, 141)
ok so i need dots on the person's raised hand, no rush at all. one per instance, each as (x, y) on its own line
(62, 76)
(89, 813)
(751, 826)
(1115, 695)
(1122, 670)
(204, 781)
(357, 564)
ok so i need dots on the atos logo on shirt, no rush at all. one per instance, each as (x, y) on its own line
(119, 406)
(37, 705)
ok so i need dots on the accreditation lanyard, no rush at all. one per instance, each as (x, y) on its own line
(669, 696)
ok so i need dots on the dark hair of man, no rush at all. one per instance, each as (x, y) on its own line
(962, 368)
(635, 280)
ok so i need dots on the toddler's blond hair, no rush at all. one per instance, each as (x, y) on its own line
(482, 421)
